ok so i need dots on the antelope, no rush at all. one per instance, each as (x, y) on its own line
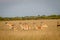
(36, 27)
(11, 26)
(44, 26)
(58, 24)
(24, 27)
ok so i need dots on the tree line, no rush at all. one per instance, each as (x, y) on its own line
(30, 17)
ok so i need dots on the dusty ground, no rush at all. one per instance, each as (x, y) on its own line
(52, 32)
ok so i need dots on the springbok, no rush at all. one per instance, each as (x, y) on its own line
(41, 26)
(24, 26)
(44, 26)
(58, 24)
(11, 26)
(36, 27)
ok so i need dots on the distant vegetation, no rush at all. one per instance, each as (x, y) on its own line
(30, 17)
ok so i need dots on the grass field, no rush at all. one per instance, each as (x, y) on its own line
(52, 32)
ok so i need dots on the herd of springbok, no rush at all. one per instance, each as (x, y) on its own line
(26, 26)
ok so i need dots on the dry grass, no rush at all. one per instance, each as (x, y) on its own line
(49, 33)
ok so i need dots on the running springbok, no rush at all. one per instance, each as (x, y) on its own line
(44, 26)
(41, 26)
(24, 26)
(36, 26)
(11, 26)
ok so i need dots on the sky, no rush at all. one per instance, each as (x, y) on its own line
(18, 8)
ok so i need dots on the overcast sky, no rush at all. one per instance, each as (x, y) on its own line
(13, 8)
